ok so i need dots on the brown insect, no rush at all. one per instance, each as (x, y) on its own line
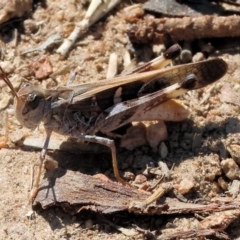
(85, 110)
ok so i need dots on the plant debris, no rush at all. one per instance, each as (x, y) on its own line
(103, 195)
(161, 30)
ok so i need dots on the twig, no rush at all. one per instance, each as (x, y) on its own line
(49, 43)
(186, 28)
(96, 10)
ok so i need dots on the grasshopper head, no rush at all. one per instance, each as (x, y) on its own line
(29, 103)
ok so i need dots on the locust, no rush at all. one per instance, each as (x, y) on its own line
(92, 111)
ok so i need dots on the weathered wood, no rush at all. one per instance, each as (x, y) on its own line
(74, 191)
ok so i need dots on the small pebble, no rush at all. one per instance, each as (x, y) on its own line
(222, 183)
(234, 189)
(156, 132)
(164, 169)
(128, 176)
(163, 150)
(214, 190)
(140, 178)
(133, 13)
(234, 151)
(199, 56)
(184, 186)
(42, 67)
(230, 169)
(7, 66)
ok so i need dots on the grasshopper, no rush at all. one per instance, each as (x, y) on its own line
(92, 111)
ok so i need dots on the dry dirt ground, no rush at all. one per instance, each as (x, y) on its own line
(196, 147)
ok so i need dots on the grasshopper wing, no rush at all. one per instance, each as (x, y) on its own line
(136, 85)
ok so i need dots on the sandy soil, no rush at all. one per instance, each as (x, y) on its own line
(196, 147)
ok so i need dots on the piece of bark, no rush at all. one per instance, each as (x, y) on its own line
(173, 206)
(160, 30)
(213, 225)
(74, 191)
(193, 234)
(220, 220)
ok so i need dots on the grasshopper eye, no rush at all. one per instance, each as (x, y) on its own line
(33, 100)
(26, 84)
(31, 97)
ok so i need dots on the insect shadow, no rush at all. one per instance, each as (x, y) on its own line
(182, 144)
(210, 132)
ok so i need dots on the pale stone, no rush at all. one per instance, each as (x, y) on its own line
(156, 132)
(234, 188)
(163, 150)
(222, 183)
(230, 168)
(184, 186)
(234, 151)
(140, 178)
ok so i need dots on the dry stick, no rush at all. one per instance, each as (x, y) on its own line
(164, 188)
(186, 28)
(96, 10)
(195, 233)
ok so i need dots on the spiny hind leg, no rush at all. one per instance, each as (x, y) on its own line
(109, 143)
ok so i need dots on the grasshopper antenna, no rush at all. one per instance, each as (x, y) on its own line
(7, 81)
